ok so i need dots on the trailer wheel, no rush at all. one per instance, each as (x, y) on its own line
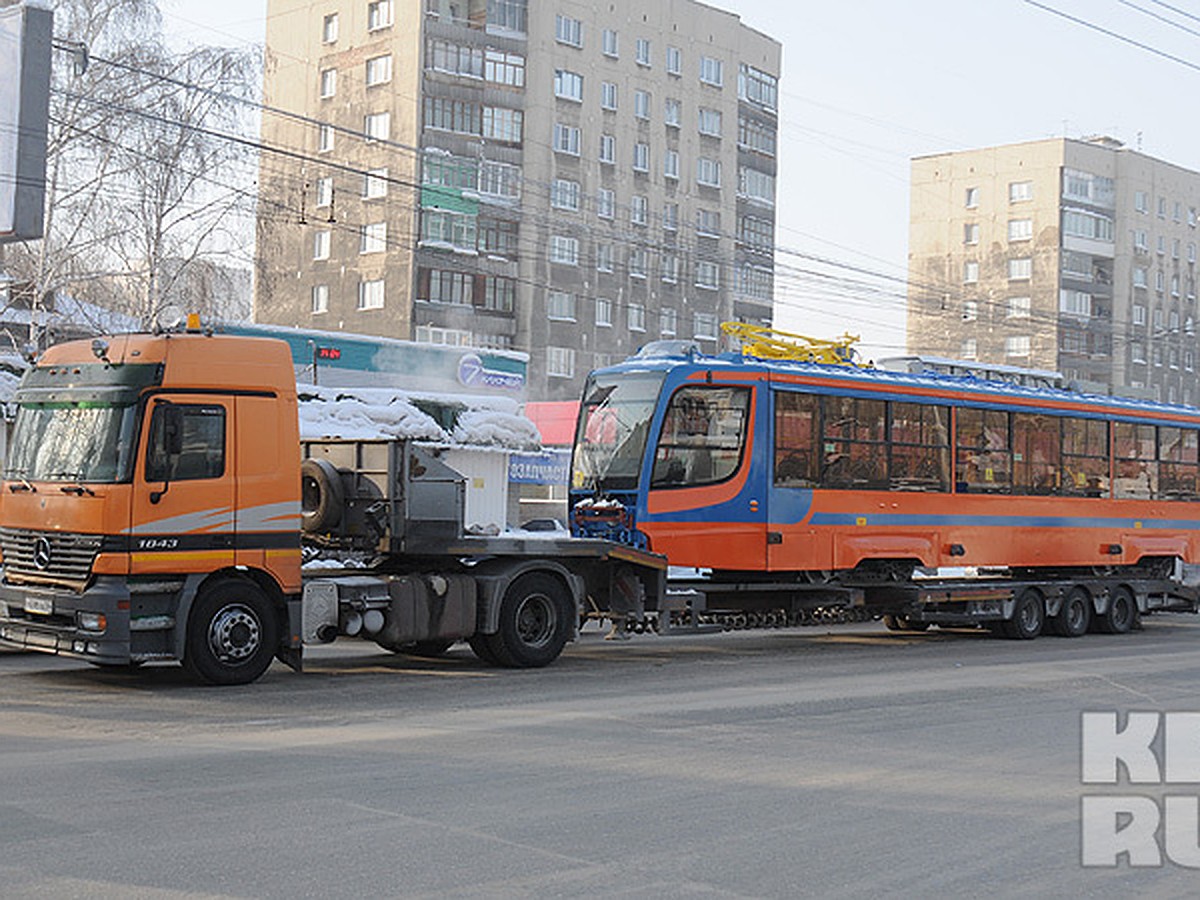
(1029, 614)
(321, 496)
(232, 633)
(535, 621)
(1121, 613)
(1074, 615)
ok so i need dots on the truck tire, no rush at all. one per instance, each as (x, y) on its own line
(1121, 613)
(1074, 615)
(482, 648)
(1028, 616)
(535, 621)
(321, 496)
(426, 649)
(232, 633)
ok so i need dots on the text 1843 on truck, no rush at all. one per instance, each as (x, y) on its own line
(158, 502)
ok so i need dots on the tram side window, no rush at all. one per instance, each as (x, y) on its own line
(1084, 458)
(983, 462)
(1177, 452)
(1135, 461)
(1037, 453)
(703, 433)
(795, 439)
(853, 449)
(920, 448)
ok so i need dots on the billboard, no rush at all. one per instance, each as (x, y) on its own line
(25, 38)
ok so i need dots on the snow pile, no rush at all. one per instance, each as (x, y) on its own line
(384, 413)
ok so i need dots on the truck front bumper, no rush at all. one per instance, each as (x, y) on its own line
(93, 625)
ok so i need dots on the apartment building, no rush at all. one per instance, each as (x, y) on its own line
(1072, 255)
(568, 179)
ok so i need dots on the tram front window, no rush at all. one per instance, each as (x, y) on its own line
(614, 422)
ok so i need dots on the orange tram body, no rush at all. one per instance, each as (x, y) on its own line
(835, 474)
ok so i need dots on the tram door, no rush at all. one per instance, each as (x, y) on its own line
(706, 502)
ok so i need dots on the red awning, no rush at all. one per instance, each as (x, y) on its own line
(555, 419)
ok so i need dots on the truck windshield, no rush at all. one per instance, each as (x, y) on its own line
(614, 422)
(63, 441)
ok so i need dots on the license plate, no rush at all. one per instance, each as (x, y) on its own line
(39, 605)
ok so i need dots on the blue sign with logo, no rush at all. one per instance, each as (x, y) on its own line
(547, 467)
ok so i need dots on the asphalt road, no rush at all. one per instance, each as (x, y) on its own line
(833, 762)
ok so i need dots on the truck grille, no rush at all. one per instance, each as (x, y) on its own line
(48, 557)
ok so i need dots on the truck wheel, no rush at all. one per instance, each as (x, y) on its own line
(535, 621)
(321, 496)
(1074, 615)
(903, 623)
(1029, 614)
(232, 633)
(482, 648)
(1121, 613)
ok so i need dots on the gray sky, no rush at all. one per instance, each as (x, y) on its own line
(868, 84)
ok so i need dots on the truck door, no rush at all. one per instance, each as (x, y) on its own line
(183, 506)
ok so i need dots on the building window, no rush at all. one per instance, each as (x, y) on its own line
(1191, 252)
(1174, 285)
(1140, 241)
(641, 104)
(971, 233)
(970, 272)
(375, 184)
(604, 309)
(564, 194)
(1160, 281)
(499, 294)
(970, 310)
(324, 138)
(498, 238)
(1020, 269)
(972, 198)
(379, 70)
(1019, 191)
(329, 29)
(674, 61)
(502, 124)
(378, 126)
(1137, 352)
(671, 164)
(604, 257)
(1018, 307)
(670, 217)
(1162, 207)
(568, 30)
(564, 250)
(608, 149)
(1139, 277)
(641, 157)
(566, 139)
(379, 14)
(324, 191)
(708, 223)
(642, 52)
(672, 111)
(1075, 303)
(1141, 202)
(608, 95)
(560, 362)
(448, 230)
(1087, 225)
(757, 87)
(1162, 245)
(320, 299)
(568, 85)
(502, 180)
(1020, 229)
(704, 325)
(668, 321)
(757, 136)
(708, 172)
(639, 209)
(1139, 314)
(455, 59)
(1158, 319)
(756, 233)
(637, 317)
(443, 286)
(609, 43)
(370, 294)
(504, 68)
(373, 238)
(710, 121)
(669, 268)
(708, 275)
(606, 203)
(756, 185)
(1017, 346)
(560, 305)
(1175, 249)
(970, 348)
(712, 71)
(328, 83)
(637, 262)
(321, 242)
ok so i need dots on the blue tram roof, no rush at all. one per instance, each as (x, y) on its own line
(974, 388)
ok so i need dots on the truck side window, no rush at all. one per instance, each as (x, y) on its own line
(702, 438)
(202, 451)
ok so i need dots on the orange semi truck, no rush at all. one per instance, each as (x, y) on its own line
(158, 504)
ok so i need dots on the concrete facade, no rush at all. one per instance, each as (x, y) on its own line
(1070, 255)
(568, 179)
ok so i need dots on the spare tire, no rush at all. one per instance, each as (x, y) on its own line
(322, 496)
